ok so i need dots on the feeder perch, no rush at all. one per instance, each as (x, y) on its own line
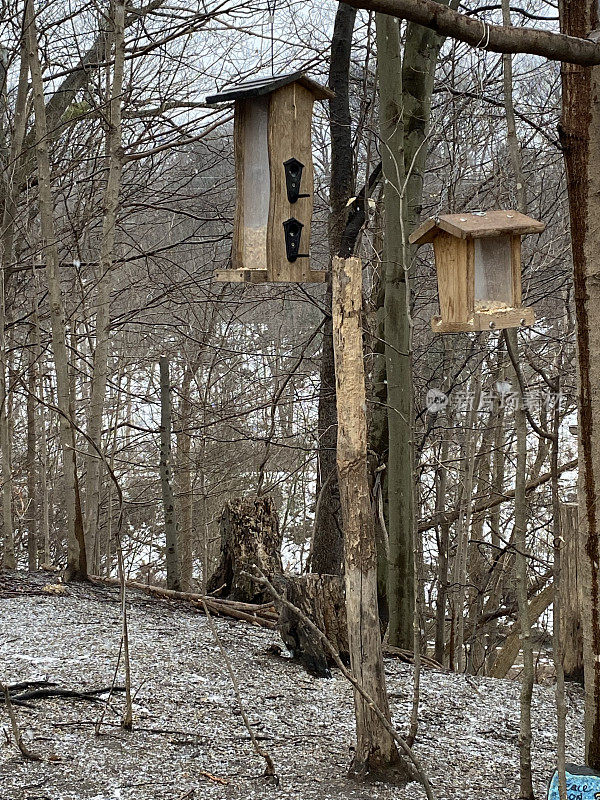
(274, 178)
(478, 265)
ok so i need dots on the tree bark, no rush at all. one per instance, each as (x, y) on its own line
(375, 749)
(32, 504)
(571, 594)
(11, 191)
(76, 554)
(250, 538)
(171, 533)
(321, 598)
(580, 138)
(448, 22)
(398, 340)
(114, 158)
(328, 540)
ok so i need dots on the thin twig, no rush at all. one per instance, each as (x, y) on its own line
(25, 752)
(270, 768)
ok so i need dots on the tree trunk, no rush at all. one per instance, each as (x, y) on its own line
(76, 555)
(250, 537)
(11, 190)
(184, 482)
(580, 138)
(397, 338)
(328, 540)
(375, 749)
(171, 533)
(32, 505)
(114, 157)
(571, 594)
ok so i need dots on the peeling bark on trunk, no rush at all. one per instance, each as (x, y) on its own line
(375, 749)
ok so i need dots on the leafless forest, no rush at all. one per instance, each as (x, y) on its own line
(168, 441)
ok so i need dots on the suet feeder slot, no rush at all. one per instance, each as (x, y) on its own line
(478, 265)
(274, 178)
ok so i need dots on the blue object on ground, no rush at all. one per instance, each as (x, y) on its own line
(583, 783)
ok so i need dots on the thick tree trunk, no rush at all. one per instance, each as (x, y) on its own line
(171, 533)
(571, 594)
(375, 748)
(397, 338)
(580, 138)
(328, 541)
(250, 538)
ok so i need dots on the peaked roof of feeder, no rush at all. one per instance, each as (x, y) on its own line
(476, 224)
(265, 85)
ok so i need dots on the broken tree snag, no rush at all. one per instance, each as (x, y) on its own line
(570, 588)
(376, 753)
(250, 537)
(321, 599)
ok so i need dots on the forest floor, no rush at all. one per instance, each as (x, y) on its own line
(188, 739)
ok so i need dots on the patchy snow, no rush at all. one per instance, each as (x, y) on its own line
(187, 725)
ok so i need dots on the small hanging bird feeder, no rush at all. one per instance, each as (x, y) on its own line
(478, 264)
(274, 178)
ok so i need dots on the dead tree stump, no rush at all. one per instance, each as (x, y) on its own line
(321, 598)
(250, 537)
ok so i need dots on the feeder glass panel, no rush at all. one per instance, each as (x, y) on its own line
(256, 184)
(493, 273)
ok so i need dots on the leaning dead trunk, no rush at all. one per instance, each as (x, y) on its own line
(375, 748)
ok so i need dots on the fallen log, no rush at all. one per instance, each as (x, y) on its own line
(262, 614)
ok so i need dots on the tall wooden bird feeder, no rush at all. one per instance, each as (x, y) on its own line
(478, 264)
(274, 178)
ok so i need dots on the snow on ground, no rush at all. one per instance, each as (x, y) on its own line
(187, 725)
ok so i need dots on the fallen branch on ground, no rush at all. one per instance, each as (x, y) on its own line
(263, 614)
(21, 693)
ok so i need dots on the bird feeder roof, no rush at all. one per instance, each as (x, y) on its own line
(260, 86)
(476, 224)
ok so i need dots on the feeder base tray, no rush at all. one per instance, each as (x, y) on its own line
(260, 276)
(487, 320)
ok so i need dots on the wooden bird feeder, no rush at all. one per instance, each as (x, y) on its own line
(274, 178)
(478, 264)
